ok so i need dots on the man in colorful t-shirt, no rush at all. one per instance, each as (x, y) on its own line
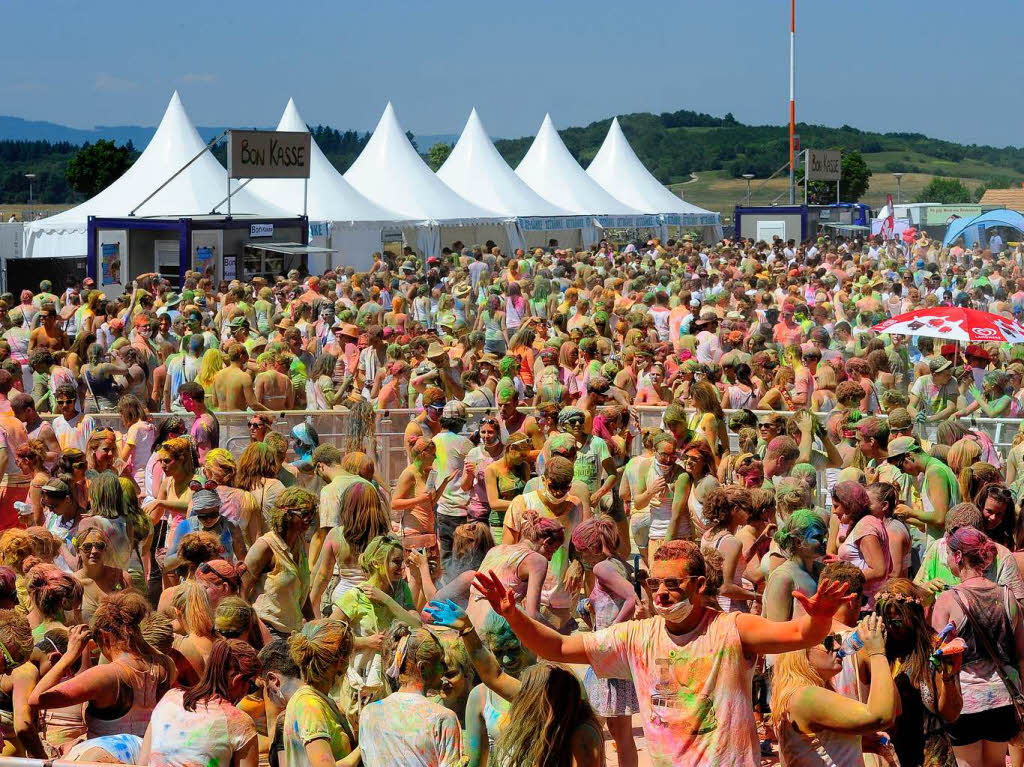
(691, 665)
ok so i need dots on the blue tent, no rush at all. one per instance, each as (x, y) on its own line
(971, 229)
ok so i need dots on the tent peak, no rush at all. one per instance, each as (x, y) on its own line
(291, 119)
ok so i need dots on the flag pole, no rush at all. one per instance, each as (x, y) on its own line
(792, 99)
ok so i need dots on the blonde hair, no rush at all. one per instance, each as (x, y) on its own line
(793, 672)
(211, 364)
(318, 648)
(220, 461)
(191, 602)
(962, 454)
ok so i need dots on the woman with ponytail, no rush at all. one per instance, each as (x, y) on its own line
(984, 614)
(317, 733)
(406, 728)
(122, 692)
(195, 617)
(201, 725)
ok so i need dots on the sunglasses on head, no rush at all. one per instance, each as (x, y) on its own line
(489, 420)
(195, 485)
(207, 569)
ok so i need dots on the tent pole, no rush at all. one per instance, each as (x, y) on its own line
(230, 193)
(180, 170)
(305, 194)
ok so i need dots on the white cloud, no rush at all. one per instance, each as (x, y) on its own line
(199, 77)
(110, 83)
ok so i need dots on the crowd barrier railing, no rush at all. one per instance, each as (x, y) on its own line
(386, 438)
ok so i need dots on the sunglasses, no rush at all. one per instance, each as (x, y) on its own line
(98, 546)
(672, 584)
(256, 424)
(230, 633)
(66, 401)
(832, 643)
(195, 485)
(489, 420)
(207, 515)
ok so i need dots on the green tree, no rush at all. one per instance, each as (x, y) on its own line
(97, 166)
(945, 190)
(437, 154)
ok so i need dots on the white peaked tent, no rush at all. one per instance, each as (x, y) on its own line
(194, 192)
(353, 222)
(476, 171)
(618, 170)
(554, 174)
(392, 174)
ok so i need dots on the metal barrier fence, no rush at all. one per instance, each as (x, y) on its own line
(389, 444)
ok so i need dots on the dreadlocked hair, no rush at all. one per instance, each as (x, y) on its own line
(227, 658)
(294, 498)
(119, 617)
(319, 647)
(361, 426)
(193, 605)
(158, 630)
(542, 718)
(363, 515)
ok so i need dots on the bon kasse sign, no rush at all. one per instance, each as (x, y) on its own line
(268, 154)
(824, 165)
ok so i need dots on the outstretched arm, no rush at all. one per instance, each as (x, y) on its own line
(761, 636)
(542, 640)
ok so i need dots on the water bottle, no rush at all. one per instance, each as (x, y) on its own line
(851, 644)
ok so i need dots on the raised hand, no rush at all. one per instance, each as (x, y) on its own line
(825, 601)
(447, 613)
(501, 599)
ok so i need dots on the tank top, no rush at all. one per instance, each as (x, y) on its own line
(660, 506)
(285, 587)
(492, 327)
(514, 316)
(503, 561)
(135, 720)
(553, 593)
(715, 542)
(819, 749)
(494, 713)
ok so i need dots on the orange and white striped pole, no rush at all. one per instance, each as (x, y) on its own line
(792, 101)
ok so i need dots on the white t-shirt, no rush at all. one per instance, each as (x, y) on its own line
(407, 730)
(211, 734)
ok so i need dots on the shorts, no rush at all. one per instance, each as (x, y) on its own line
(997, 725)
(639, 530)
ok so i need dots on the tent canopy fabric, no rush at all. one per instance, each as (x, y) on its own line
(391, 173)
(553, 173)
(330, 197)
(196, 190)
(619, 172)
(970, 228)
(476, 171)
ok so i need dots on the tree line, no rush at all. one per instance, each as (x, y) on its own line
(671, 145)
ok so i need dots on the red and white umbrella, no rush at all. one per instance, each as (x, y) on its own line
(954, 323)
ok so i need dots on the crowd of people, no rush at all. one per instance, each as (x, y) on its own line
(681, 486)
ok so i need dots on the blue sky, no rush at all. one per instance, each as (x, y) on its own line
(938, 68)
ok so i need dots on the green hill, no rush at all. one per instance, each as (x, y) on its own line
(673, 145)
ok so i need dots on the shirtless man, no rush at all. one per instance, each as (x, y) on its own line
(25, 410)
(48, 335)
(232, 386)
(274, 388)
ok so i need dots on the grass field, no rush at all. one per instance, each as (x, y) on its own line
(717, 191)
(23, 212)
